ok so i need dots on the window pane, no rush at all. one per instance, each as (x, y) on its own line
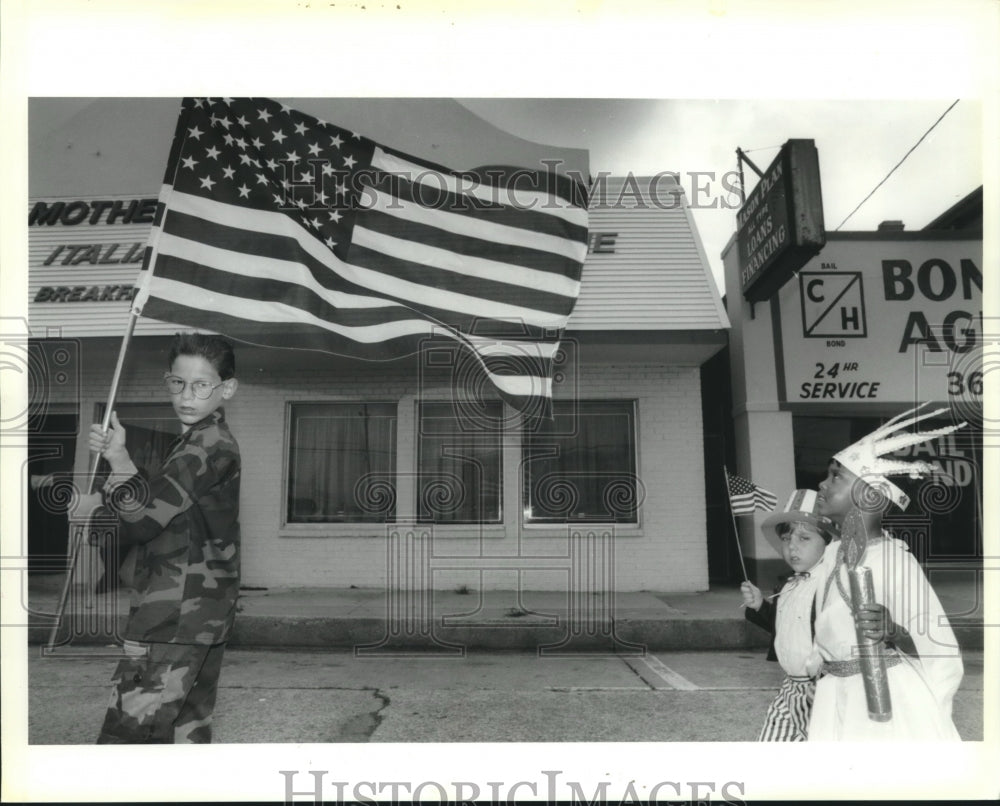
(588, 475)
(460, 468)
(342, 465)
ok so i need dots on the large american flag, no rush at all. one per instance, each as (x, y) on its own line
(280, 229)
(745, 496)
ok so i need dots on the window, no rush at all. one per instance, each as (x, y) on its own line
(585, 473)
(342, 463)
(460, 467)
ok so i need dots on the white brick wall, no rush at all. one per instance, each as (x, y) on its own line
(667, 552)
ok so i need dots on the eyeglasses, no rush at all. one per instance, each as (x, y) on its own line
(200, 389)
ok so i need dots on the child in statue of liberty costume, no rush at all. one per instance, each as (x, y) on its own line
(905, 614)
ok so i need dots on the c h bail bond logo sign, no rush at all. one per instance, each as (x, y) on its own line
(885, 321)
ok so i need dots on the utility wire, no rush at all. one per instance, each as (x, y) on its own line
(907, 154)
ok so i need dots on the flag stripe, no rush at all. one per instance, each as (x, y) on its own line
(277, 324)
(274, 311)
(567, 189)
(526, 227)
(470, 252)
(176, 278)
(242, 252)
(263, 278)
(377, 257)
(437, 179)
(198, 281)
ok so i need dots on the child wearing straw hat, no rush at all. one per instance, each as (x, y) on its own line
(800, 535)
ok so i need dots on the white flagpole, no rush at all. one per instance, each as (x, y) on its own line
(78, 529)
(736, 532)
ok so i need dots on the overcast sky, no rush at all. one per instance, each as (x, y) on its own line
(859, 142)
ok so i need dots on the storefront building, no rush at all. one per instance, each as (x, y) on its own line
(874, 324)
(409, 473)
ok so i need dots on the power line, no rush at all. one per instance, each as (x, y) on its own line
(907, 154)
(761, 148)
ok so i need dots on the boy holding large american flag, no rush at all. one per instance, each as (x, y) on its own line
(181, 523)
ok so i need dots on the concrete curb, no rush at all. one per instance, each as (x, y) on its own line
(371, 622)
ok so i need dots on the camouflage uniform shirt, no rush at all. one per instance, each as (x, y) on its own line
(183, 522)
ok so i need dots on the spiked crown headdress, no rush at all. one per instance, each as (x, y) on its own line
(865, 458)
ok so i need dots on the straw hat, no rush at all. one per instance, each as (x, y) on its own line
(801, 506)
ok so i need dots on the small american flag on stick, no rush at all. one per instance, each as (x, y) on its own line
(745, 496)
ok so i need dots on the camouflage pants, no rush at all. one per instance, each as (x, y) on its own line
(163, 694)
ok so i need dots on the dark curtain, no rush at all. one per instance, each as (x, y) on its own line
(583, 470)
(460, 468)
(342, 466)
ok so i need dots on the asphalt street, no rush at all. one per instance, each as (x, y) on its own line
(335, 696)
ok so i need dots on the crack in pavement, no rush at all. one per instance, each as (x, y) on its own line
(361, 727)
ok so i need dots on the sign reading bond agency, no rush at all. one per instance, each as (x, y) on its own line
(780, 226)
(886, 321)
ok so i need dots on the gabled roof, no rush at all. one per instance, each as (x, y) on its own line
(966, 214)
(654, 276)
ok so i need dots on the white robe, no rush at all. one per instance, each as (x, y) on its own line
(921, 691)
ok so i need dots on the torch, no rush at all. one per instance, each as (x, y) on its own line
(873, 670)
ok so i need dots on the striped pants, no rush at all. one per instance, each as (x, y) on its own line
(788, 715)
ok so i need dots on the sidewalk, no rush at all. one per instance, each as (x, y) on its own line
(448, 621)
